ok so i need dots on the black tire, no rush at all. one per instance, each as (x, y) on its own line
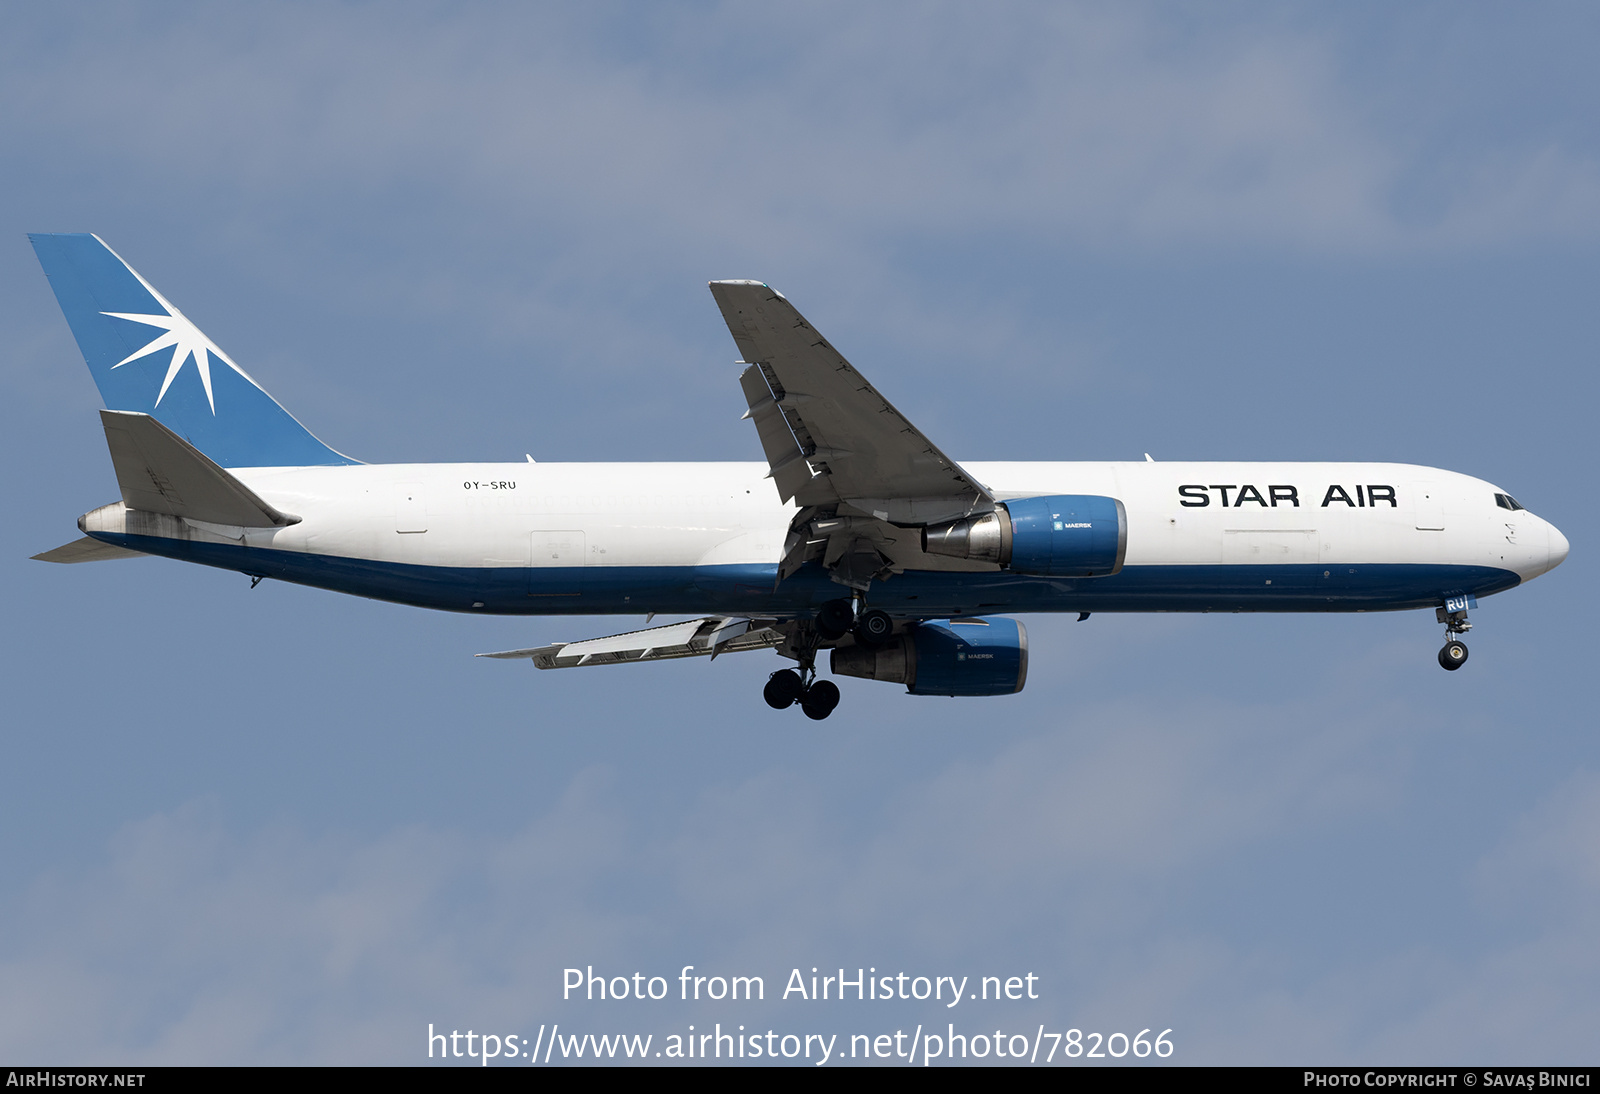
(834, 619)
(1453, 656)
(820, 700)
(784, 689)
(874, 628)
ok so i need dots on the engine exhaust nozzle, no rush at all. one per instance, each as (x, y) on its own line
(985, 538)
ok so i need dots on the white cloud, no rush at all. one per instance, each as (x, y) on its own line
(819, 136)
(1065, 851)
(555, 190)
(1093, 847)
(553, 186)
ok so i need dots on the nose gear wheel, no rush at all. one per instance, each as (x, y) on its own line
(1454, 653)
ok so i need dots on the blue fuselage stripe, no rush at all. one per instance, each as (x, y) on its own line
(749, 589)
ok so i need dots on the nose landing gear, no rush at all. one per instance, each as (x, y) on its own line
(1454, 653)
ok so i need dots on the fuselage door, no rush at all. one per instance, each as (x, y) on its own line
(1429, 507)
(410, 509)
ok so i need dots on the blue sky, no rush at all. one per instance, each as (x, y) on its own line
(283, 826)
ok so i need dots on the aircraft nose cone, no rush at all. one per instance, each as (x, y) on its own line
(1558, 547)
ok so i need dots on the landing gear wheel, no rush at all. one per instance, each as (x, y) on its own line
(874, 628)
(834, 619)
(784, 689)
(820, 699)
(1454, 655)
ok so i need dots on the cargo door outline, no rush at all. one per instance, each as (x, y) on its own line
(558, 557)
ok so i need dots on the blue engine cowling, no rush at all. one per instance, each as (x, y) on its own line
(946, 657)
(1060, 535)
(1068, 535)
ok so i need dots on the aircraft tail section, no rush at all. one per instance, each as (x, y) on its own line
(160, 472)
(86, 549)
(148, 357)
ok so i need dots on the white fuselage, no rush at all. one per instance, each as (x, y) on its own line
(670, 530)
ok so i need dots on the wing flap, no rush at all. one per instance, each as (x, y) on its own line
(784, 455)
(709, 637)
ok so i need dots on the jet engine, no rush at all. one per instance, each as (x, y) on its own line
(945, 657)
(1062, 535)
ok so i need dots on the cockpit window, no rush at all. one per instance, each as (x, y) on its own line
(1506, 501)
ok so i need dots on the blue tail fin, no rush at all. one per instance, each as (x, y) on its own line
(140, 349)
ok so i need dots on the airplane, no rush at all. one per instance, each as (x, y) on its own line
(856, 534)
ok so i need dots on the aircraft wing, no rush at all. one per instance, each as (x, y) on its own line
(829, 437)
(695, 638)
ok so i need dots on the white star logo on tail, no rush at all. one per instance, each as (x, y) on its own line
(185, 339)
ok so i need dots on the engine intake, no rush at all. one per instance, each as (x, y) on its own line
(946, 657)
(1061, 535)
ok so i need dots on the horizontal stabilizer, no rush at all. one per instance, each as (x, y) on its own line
(87, 550)
(160, 472)
(694, 638)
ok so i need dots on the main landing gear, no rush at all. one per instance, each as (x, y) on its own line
(873, 628)
(1454, 653)
(870, 626)
(835, 619)
(787, 687)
